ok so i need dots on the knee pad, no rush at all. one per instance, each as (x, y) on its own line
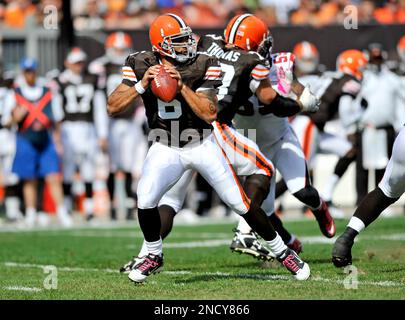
(309, 195)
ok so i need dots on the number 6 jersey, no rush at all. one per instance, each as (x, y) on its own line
(200, 73)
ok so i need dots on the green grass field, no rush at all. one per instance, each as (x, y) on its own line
(87, 261)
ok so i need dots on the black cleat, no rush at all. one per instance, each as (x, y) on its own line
(248, 243)
(342, 252)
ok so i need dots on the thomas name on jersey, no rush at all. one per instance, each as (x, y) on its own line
(217, 51)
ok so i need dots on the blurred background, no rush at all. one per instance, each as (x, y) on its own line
(47, 31)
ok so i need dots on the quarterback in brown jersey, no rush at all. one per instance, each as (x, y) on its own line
(185, 124)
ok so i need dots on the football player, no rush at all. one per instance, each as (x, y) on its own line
(377, 125)
(127, 145)
(389, 190)
(278, 142)
(85, 124)
(337, 92)
(8, 180)
(194, 109)
(400, 71)
(244, 68)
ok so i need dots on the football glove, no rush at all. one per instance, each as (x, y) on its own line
(308, 101)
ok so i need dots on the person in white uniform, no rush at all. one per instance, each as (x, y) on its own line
(127, 144)
(388, 191)
(380, 96)
(85, 125)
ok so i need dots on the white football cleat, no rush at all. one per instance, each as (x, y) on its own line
(293, 263)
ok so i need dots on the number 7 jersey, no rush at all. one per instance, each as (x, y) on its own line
(200, 73)
(242, 73)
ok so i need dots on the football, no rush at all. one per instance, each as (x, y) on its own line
(164, 86)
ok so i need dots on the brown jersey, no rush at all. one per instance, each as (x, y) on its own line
(240, 68)
(175, 117)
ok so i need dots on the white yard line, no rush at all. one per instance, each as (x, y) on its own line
(20, 288)
(68, 269)
(213, 274)
(193, 244)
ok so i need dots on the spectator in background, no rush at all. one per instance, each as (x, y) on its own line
(392, 12)
(200, 14)
(268, 14)
(306, 13)
(366, 12)
(282, 9)
(91, 19)
(117, 16)
(17, 11)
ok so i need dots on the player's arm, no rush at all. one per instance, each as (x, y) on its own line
(203, 103)
(282, 106)
(129, 89)
(101, 119)
(12, 113)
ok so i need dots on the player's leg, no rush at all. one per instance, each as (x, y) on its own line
(214, 166)
(290, 161)
(389, 190)
(268, 206)
(68, 166)
(170, 204)
(347, 153)
(114, 144)
(162, 168)
(25, 167)
(133, 152)
(247, 159)
(49, 169)
(10, 180)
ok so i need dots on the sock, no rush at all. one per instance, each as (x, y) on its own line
(260, 223)
(144, 250)
(13, 208)
(277, 245)
(30, 212)
(291, 240)
(330, 187)
(155, 247)
(62, 211)
(88, 206)
(278, 226)
(67, 200)
(243, 226)
(356, 224)
(149, 221)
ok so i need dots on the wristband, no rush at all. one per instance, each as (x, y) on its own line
(139, 88)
